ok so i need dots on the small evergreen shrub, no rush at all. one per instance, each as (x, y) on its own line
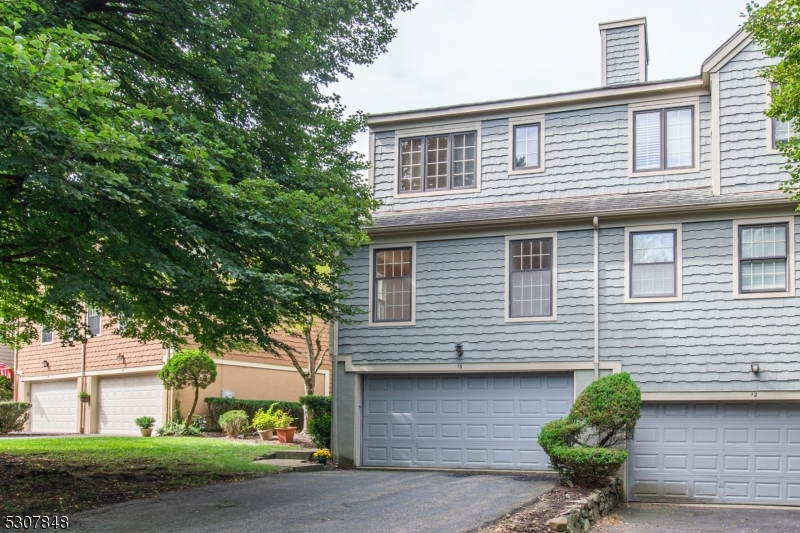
(13, 416)
(583, 447)
(320, 429)
(177, 427)
(218, 406)
(233, 423)
(317, 405)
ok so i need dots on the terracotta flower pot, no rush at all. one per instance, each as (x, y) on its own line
(285, 434)
(266, 434)
(146, 432)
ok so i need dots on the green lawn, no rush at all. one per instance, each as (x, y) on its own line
(49, 475)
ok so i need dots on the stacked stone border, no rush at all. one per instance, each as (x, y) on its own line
(580, 517)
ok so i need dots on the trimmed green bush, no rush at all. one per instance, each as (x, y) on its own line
(218, 406)
(317, 405)
(177, 427)
(582, 447)
(13, 416)
(234, 423)
(319, 428)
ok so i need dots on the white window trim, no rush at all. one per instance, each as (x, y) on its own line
(678, 264)
(461, 127)
(372, 248)
(554, 278)
(100, 320)
(691, 101)
(52, 336)
(790, 258)
(770, 129)
(522, 121)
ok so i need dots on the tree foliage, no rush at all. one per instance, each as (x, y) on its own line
(583, 447)
(189, 368)
(775, 27)
(177, 164)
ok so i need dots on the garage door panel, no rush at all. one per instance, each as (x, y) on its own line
(482, 421)
(124, 399)
(734, 453)
(54, 407)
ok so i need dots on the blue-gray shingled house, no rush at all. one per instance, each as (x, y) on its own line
(526, 247)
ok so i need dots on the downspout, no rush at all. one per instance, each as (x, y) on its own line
(332, 354)
(15, 396)
(83, 376)
(596, 224)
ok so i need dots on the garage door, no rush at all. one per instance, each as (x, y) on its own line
(54, 406)
(476, 421)
(124, 399)
(717, 452)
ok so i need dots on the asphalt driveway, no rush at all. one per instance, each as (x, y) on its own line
(662, 518)
(326, 502)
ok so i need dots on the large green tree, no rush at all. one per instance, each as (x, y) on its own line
(775, 27)
(176, 163)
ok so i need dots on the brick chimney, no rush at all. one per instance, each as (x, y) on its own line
(623, 52)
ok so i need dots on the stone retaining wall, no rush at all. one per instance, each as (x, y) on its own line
(580, 517)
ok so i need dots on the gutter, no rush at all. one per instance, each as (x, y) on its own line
(596, 225)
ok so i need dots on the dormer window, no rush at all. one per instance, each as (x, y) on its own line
(438, 163)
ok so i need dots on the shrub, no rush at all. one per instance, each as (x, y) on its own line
(581, 447)
(145, 422)
(6, 389)
(265, 420)
(177, 427)
(317, 405)
(13, 416)
(320, 429)
(233, 423)
(218, 406)
(189, 368)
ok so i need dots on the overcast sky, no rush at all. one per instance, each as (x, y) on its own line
(460, 51)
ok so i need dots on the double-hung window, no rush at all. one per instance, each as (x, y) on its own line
(392, 285)
(763, 258)
(47, 335)
(781, 131)
(94, 321)
(526, 147)
(663, 139)
(438, 163)
(530, 278)
(653, 265)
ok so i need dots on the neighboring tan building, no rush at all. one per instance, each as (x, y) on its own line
(525, 247)
(121, 376)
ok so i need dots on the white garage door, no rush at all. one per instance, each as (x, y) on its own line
(460, 421)
(54, 406)
(124, 399)
(736, 452)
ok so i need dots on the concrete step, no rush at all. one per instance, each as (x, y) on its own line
(293, 465)
(300, 455)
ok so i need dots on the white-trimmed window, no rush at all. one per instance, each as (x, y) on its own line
(779, 131)
(653, 264)
(94, 321)
(663, 139)
(526, 144)
(530, 278)
(438, 162)
(47, 335)
(392, 288)
(764, 258)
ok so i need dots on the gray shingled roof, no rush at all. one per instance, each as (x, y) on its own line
(571, 208)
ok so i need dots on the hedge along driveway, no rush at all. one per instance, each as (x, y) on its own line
(49, 475)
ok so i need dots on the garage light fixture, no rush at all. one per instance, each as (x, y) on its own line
(754, 368)
(45, 364)
(121, 357)
(459, 349)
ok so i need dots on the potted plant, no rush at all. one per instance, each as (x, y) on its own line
(283, 426)
(322, 456)
(84, 396)
(264, 422)
(145, 424)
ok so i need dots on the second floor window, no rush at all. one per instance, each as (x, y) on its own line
(526, 146)
(392, 285)
(438, 163)
(663, 139)
(763, 258)
(47, 335)
(780, 132)
(652, 264)
(94, 321)
(531, 277)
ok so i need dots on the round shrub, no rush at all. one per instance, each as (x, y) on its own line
(189, 368)
(233, 423)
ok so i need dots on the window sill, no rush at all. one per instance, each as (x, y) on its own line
(391, 324)
(521, 172)
(648, 173)
(400, 195)
(759, 295)
(47, 343)
(650, 300)
(773, 151)
(510, 320)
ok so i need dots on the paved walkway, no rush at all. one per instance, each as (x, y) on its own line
(325, 502)
(663, 518)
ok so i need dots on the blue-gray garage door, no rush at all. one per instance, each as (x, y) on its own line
(461, 421)
(734, 452)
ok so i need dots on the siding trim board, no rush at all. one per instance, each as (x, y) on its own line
(790, 258)
(377, 247)
(553, 281)
(467, 367)
(678, 264)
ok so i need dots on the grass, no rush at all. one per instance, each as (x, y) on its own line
(59, 475)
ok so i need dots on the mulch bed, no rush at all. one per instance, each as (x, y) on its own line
(534, 517)
(300, 439)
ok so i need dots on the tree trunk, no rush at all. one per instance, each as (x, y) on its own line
(308, 380)
(191, 411)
